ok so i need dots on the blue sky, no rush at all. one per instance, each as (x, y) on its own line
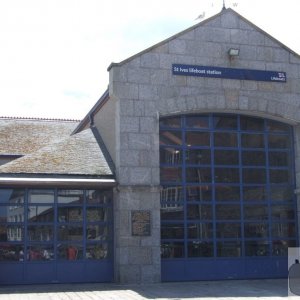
(55, 53)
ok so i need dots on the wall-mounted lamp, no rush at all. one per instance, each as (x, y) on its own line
(233, 52)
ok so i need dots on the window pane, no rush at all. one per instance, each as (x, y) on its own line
(70, 233)
(70, 214)
(40, 213)
(9, 252)
(171, 213)
(200, 249)
(279, 141)
(40, 252)
(12, 213)
(225, 157)
(170, 122)
(170, 174)
(225, 122)
(98, 251)
(172, 194)
(256, 230)
(198, 156)
(199, 212)
(284, 230)
(194, 138)
(279, 159)
(172, 231)
(277, 126)
(226, 175)
(281, 193)
(199, 193)
(40, 233)
(197, 122)
(257, 248)
(41, 196)
(170, 156)
(280, 176)
(12, 196)
(99, 196)
(254, 193)
(227, 193)
(253, 158)
(229, 249)
(70, 196)
(172, 250)
(252, 124)
(228, 230)
(98, 214)
(168, 137)
(254, 175)
(98, 232)
(200, 230)
(253, 140)
(228, 212)
(11, 233)
(198, 175)
(280, 247)
(283, 212)
(69, 251)
(256, 212)
(224, 139)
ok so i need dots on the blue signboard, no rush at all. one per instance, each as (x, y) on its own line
(229, 73)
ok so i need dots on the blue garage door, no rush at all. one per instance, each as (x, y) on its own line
(55, 236)
(227, 204)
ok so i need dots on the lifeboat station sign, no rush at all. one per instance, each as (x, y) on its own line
(229, 73)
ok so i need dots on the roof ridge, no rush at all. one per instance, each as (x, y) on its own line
(39, 119)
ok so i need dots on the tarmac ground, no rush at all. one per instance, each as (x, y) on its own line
(270, 289)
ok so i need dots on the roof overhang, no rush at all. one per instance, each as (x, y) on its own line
(57, 182)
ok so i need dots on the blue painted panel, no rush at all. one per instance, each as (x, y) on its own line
(99, 271)
(40, 272)
(172, 270)
(11, 273)
(70, 272)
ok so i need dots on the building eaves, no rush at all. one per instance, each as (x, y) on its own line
(223, 11)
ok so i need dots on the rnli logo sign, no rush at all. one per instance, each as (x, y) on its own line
(229, 73)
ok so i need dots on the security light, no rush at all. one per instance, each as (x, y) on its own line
(233, 52)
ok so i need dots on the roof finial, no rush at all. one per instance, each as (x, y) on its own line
(223, 5)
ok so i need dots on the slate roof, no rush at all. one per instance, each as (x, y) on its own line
(51, 150)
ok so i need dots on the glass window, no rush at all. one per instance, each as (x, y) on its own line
(99, 196)
(280, 176)
(168, 137)
(198, 175)
(170, 156)
(40, 252)
(200, 249)
(12, 213)
(225, 139)
(228, 230)
(225, 122)
(172, 249)
(194, 138)
(228, 212)
(41, 196)
(198, 122)
(254, 175)
(256, 230)
(283, 212)
(12, 196)
(200, 230)
(70, 196)
(253, 158)
(229, 249)
(257, 248)
(253, 140)
(199, 193)
(98, 214)
(70, 251)
(197, 157)
(279, 141)
(173, 122)
(227, 175)
(40, 233)
(97, 251)
(11, 233)
(70, 233)
(172, 231)
(254, 193)
(281, 193)
(11, 252)
(172, 194)
(252, 124)
(279, 159)
(256, 212)
(227, 193)
(283, 230)
(275, 126)
(280, 247)
(98, 232)
(226, 157)
(171, 212)
(70, 214)
(40, 213)
(199, 212)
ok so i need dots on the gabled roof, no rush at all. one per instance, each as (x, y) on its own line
(223, 11)
(21, 136)
(78, 154)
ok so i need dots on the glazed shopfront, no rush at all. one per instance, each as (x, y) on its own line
(56, 235)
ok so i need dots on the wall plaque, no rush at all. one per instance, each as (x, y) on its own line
(141, 222)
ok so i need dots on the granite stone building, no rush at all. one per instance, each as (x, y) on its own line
(187, 168)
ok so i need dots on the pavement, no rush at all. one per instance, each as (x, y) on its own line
(270, 289)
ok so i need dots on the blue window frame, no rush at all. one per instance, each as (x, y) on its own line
(227, 187)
